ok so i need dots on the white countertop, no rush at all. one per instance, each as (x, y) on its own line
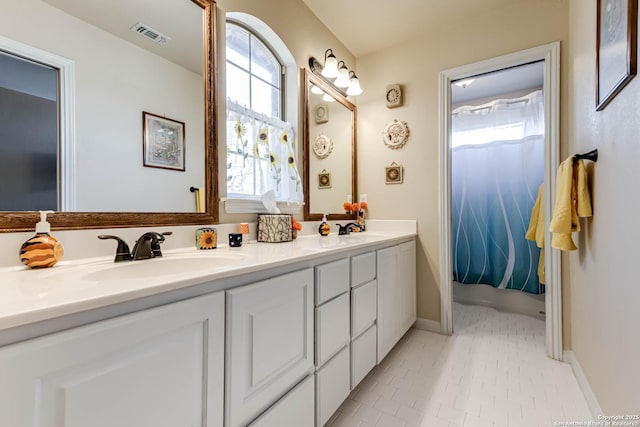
(28, 296)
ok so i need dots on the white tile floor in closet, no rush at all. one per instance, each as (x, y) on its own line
(492, 372)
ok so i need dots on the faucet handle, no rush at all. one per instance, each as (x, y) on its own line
(155, 242)
(122, 251)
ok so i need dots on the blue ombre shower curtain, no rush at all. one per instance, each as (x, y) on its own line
(497, 166)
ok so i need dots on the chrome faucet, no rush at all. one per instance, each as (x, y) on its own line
(348, 228)
(147, 246)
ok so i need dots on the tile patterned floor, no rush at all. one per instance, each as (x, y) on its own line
(492, 372)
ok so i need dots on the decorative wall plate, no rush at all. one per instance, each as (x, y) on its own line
(393, 96)
(322, 146)
(396, 134)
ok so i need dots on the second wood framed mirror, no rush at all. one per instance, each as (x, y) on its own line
(330, 150)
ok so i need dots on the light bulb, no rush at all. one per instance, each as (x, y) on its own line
(315, 89)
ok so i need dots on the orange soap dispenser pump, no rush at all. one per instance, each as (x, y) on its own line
(42, 250)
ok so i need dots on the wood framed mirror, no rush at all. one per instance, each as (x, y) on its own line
(121, 170)
(330, 150)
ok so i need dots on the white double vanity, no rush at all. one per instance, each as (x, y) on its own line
(263, 335)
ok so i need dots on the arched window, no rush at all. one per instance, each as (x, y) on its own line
(261, 149)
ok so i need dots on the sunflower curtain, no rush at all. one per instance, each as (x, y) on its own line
(261, 155)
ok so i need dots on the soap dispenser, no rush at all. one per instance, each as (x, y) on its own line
(42, 250)
(324, 228)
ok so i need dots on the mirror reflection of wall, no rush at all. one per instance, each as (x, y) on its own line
(119, 74)
(330, 151)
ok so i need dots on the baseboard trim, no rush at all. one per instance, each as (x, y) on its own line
(592, 402)
(427, 325)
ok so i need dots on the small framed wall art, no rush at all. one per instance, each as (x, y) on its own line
(163, 142)
(393, 96)
(321, 113)
(324, 180)
(393, 174)
(616, 48)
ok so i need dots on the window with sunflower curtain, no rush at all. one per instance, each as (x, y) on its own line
(261, 148)
(261, 155)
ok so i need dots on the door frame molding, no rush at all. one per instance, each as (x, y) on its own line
(66, 115)
(550, 53)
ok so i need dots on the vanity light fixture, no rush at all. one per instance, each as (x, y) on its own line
(336, 73)
(330, 68)
(328, 98)
(343, 76)
(354, 85)
(315, 89)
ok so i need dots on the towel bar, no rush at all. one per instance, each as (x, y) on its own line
(591, 155)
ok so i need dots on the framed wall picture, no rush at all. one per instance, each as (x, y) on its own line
(393, 174)
(616, 48)
(321, 113)
(163, 142)
(324, 180)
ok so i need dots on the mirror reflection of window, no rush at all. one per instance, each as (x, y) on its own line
(28, 135)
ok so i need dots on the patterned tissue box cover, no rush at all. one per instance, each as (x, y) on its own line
(274, 228)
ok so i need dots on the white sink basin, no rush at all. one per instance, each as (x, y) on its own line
(332, 241)
(169, 265)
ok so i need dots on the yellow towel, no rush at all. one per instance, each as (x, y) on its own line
(572, 201)
(200, 202)
(535, 232)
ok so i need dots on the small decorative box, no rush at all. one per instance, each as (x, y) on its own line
(235, 240)
(206, 238)
(274, 228)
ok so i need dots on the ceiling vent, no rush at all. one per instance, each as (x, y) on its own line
(150, 33)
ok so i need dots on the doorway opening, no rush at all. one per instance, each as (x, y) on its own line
(547, 57)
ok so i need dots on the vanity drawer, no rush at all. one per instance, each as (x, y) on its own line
(332, 386)
(332, 279)
(363, 307)
(363, 355)
(332, 328)
(296, 408)
(363, 268)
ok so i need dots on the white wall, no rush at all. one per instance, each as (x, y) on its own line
(604, 294)
(415, 65)
(115, 82)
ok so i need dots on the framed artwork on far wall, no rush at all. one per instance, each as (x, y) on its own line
(163, 142)
(393, 174)
(616, 48)
(324, 180)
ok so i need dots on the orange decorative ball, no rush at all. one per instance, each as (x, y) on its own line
(41, 251)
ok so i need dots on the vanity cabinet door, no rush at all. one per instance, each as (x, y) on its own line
(161, 367)
(407, 280)
(396, 294)
(269, 343)
(388, 300)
